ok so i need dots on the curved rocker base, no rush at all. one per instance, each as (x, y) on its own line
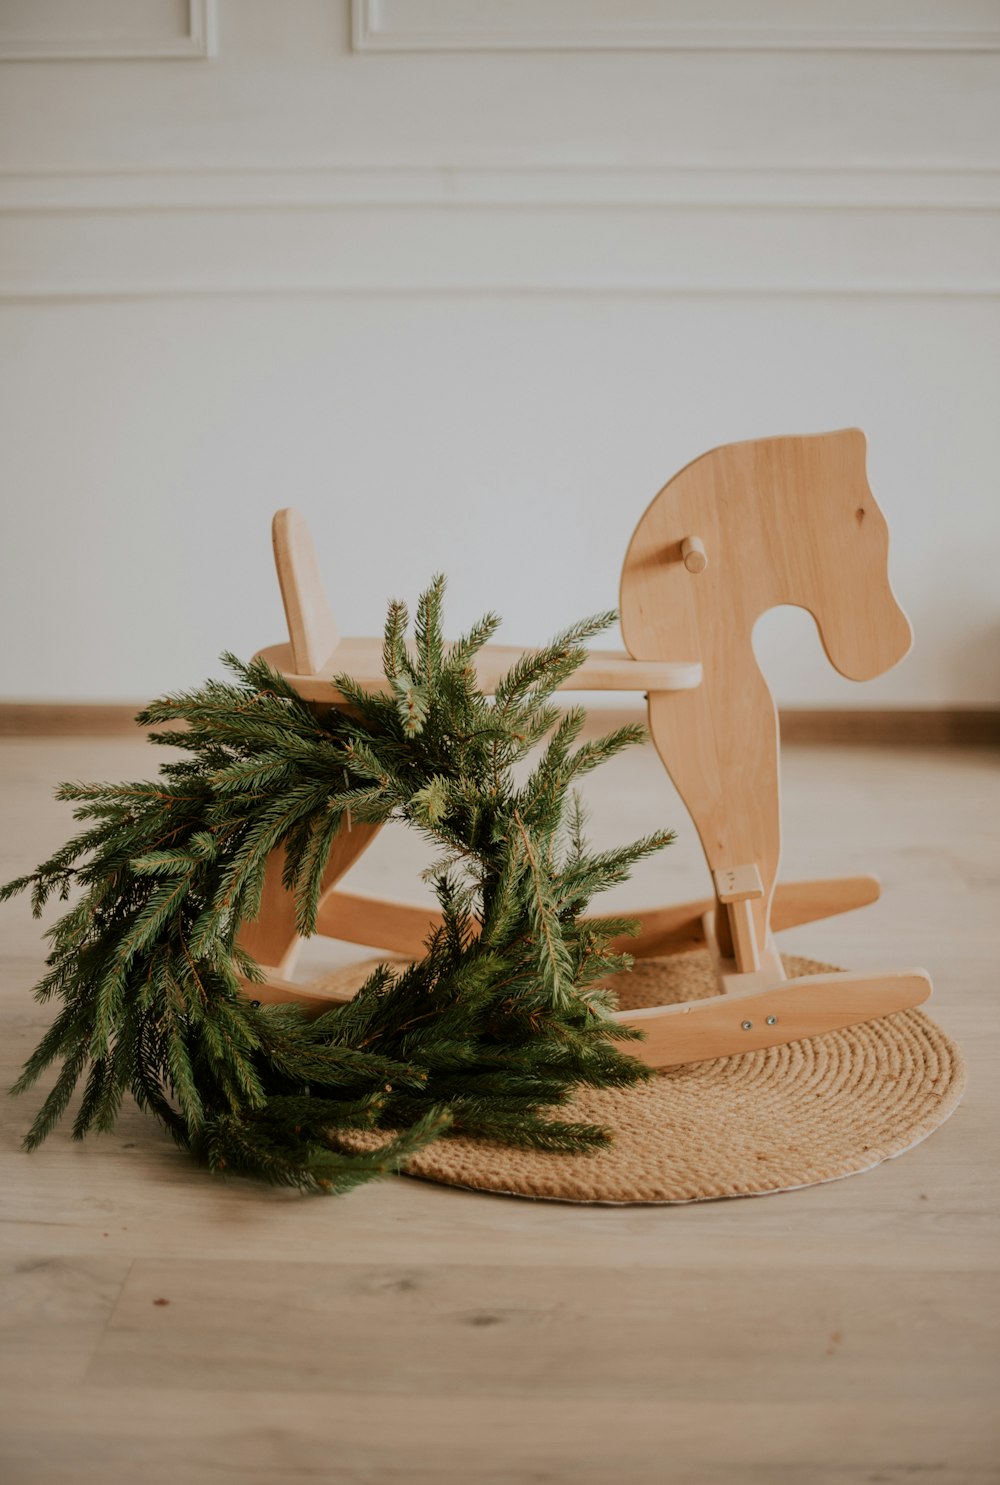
(756, 1007)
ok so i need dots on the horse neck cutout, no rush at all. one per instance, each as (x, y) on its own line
(777, 521)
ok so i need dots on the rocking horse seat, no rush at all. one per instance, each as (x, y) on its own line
(603, 670)
(316, 652)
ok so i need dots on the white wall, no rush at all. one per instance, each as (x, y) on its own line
(467, 288)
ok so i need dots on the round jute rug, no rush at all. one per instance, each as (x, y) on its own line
(791, 1116)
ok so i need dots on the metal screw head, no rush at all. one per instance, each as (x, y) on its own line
(772, 1020)
(747, 1025)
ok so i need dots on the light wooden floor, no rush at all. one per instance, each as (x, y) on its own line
(843, 1334)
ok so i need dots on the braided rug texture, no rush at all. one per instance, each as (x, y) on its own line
(773, 1120)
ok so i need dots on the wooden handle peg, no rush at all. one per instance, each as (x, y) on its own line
(693, 552)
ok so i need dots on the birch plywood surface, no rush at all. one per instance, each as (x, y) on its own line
(779, 521)
(603, 670)
(413, 1333)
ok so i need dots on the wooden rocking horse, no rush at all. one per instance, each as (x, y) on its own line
(740, 530)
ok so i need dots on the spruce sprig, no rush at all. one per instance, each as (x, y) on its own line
(486, 1035)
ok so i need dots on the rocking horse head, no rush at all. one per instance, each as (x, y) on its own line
(751, 526)
(744, 529)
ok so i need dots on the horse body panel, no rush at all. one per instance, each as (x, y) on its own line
(782, 521)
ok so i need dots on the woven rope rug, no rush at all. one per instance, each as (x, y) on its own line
(810, 1111)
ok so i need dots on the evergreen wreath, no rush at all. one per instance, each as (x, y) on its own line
(485, 1036)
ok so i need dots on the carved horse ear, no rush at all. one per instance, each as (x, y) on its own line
(851, 443)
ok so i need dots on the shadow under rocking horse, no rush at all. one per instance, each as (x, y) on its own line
(743, 529)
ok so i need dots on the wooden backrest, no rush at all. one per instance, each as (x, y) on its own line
(311, 628)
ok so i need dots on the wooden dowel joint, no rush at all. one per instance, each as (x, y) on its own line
(694, 554)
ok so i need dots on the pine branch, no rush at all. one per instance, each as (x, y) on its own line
(497, 1025)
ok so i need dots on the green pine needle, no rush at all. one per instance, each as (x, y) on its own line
(493, 1029)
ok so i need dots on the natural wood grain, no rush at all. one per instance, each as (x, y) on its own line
(738, 883)
(897, 727)
(680, 927)
(793, 521)
(764, 1381)
(473, 1330)
(403, 927)
(787, 521)
(836, 1335)
(71, 719)
(603, 670)
(778, 511)
(316, 651)
(315, 654)
(272, 937)
(400, 926)
(356, 1438)
(735, 888)
(744, 937)
(311, 628)
(53, 1313)
(693, 554)
(893, 727)
(755, 1015)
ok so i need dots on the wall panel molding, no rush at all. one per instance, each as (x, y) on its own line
(498, 232)
(674, 25)
(108, 30)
